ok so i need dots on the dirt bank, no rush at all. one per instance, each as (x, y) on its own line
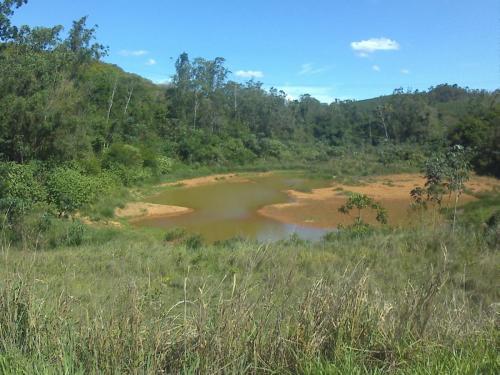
(142, 209)
(215, 178)
(206, 180)
(319, 208)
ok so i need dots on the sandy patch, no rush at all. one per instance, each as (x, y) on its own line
(215, 178)
(141, 209)
(207, 180)
(101, 223)
(319, 208)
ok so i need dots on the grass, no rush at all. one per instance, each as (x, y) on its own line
(102, 300)
(399, 301)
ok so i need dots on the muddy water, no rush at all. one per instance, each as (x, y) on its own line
(227, 209)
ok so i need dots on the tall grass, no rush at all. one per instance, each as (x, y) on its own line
(415, 301)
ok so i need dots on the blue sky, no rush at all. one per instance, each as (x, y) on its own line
(342, 49)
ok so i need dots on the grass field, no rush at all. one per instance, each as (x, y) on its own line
(398, 301)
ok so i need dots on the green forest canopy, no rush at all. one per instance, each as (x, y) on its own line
(60, 102)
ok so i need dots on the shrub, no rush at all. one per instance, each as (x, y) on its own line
(75, 234)
(360, 202)
(124, 155)
(174, 234)
(194, 241)
(19, 188)
(164, 164)
(69, 190)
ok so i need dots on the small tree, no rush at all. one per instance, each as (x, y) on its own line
(444, 173)
(457, 174)
(434, 188)
(361, 202)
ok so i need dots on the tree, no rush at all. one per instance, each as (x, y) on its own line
(457, 174)
(444, 173)
(81, 42)
(362, 202)
(7, 31)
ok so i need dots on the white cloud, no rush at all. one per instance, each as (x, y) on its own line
(405, 71)
(249, 74)
(151, 62)
(323, 93)
(127, 53)
(376, 68)
(309, 69)
(365, 47)
(160, 79)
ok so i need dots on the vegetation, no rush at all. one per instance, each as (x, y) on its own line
(361, 202)
(78, 136)
(423, 302)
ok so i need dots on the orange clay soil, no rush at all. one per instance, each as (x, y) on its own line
(213, 179)
(319, 208)
(207, 180)
(142, 209)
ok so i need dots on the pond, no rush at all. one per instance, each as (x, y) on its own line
(226, 209)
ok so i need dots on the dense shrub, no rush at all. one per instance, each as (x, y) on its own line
(20, 189)
(70, 190)
(174, 234)
(164, 165)
(194, 241)
(123, 155)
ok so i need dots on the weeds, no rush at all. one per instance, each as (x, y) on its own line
(350, 305)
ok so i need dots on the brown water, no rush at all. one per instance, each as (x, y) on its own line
(228, 209)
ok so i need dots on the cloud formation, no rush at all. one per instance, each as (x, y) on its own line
(151, 62)
(376, 68)
(249, 74)
(127, 53)
(324, 94)
(309, 69)
(405, 71)
(367, 46)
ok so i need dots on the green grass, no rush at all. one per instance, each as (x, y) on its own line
(399, 301)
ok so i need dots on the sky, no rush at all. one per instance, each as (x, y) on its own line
(345, 49)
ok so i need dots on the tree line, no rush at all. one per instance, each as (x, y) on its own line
(60, 102)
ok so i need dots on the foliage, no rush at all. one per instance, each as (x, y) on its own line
(123, 155)
(444, 173)
(70, 190)
(174, 234)
(20, 188)
(194, 241)
(387, 302)
(360, 202)
(203, 118)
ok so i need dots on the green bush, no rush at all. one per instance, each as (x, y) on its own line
(123, 155)
(174, 234)
(194, 241)
(69, 190)
(164, 164)
(20, 189)
(130, 176)
(75, 234)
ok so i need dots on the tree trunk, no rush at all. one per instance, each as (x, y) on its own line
(128, 100)
(382, 119)
(111, 100)
(195, 110)
(455, 211)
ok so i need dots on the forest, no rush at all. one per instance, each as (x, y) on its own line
(80, 137)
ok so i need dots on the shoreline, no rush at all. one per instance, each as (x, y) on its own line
(317, 208)
(141, 210)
